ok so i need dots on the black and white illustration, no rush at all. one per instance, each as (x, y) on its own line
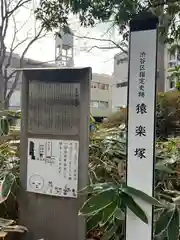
(53, 167)
(36, 182)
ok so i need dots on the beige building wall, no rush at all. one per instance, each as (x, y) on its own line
(171, 60)
(101, 101)
(120, 77)
(15, 101)
(120, 80)
(100, 105)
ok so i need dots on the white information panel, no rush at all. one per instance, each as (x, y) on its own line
(141, 111)
(52, 167)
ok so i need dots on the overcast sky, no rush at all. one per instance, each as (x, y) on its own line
(101, 61)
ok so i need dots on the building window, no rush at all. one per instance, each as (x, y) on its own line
(123, 84)
(99, 104)
(94, 85)
(178, 56)
(106, 86)
(94, 104)
(118, 108)
(172, 83)
(172, 64)
(102, 86)
(122, 60)
(171, 56)
(103, 104)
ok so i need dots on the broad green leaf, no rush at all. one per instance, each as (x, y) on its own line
(170, 70)
(7, 184)
(98, 187)
(119, 214)
(4, 126)
(93, 221)
(108, 212)
(6, 222)
(133, 206)
(164, 220)
(173, 228)
(108, 234)
(176, 200)
(98, 202)
(163, 168)
(137, 193)
(92, 120)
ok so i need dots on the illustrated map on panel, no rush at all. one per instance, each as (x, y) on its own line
(52, 167)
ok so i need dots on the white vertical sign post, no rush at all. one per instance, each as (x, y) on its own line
(141, 119)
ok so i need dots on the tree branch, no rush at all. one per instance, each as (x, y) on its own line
(9, 58)
(104, 40)
(3, 30)
(103, 48)
(38, 36)
(18, 5)
(5, 20)
(12, 49)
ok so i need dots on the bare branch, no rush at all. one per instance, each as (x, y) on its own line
(21, 27)
(9, 58)
(20, 43)
(5, 20)
(18, 5)
(104, 40)
(9, 3)
(2, 11)
(103, 48)
(3, 30)
(14, 35)
(13, 48)
(11, 75)
(38, 36)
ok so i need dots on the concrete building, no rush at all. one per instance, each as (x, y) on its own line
(120, 76)
(120, 81)
(100, 105)
(171, 61)
(101, 96)
(15, 101)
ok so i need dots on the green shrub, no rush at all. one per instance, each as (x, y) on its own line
(167, 115)
(108, 195)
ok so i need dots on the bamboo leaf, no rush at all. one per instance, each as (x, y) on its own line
(108, 235)
(6, 222)
(134, 207)
(4, 126)
(108, 212)
(164, 220)
(137, 193)
(98, 187)
(6, 185)
(98, 202)
(164, 168)
(173, 228)
(93, 221)
(119, 214)
(176, 200)
(171, 70)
